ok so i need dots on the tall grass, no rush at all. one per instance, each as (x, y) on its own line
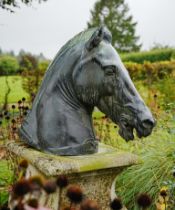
(158, 158)
(6, 178)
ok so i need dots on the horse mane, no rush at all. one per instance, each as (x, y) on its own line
(81, 37)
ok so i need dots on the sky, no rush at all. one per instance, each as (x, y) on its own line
(46, 27)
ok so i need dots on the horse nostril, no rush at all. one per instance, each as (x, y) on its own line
(148, 123)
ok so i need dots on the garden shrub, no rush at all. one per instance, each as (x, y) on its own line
(151, 71)
(151, 56)
(8, 65)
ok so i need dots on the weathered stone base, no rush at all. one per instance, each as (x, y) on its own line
(94, 173)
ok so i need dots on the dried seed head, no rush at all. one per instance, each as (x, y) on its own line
(116, 204)
(14, 128)
(75, 194)
(163, 193)
(23, 163)
(4, 207)
(33, 203)
(25, 113)
(13, 121)
(7, 117)
(13, 106)
(21, 188)
(62, 181)
(36, 182)
(26, 108)
(89, 205)
(144, 200)
(5, 113)
(19, 206)
(50, 186)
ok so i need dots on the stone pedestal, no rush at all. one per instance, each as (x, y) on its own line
(94, 173)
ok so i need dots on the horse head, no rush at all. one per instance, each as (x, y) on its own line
(87, 72)
(102, 80)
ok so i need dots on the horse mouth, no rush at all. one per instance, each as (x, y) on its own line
(126, 131)
(142, 131)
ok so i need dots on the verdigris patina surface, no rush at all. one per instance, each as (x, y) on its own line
(86, 72)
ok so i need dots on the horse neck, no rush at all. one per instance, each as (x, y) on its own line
(76, 113)
(68, 95)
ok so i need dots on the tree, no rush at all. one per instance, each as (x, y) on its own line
(114, 14)
(32, 72)
(28, 62)
(8, 65)
(11, 4)
(29, 71)
(43, 65)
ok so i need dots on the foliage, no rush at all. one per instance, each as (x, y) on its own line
(31, 79)
(8, 65)
(5, 179)
(151, 71)
(155, 81)
(165, 54)
(156, 151)
(115, 15)
(42, 66)
(169, 191)
(28, 62)
(149, 176)
(9, 5)
(32, 72)
(167, 88)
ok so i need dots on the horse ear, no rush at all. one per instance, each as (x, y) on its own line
(95, 39)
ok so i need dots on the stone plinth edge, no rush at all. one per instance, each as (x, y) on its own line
(52, 165)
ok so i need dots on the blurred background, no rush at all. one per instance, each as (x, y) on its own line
(32, 32)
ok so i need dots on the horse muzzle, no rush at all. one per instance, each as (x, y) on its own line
(145, 127)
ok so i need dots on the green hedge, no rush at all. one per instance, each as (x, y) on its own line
(151, 71)
(151, 56)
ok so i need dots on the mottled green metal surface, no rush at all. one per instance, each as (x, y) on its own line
(52, 165)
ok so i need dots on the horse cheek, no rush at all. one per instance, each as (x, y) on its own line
(108, 85)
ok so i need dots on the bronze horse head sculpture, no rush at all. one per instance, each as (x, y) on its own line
(86, 72)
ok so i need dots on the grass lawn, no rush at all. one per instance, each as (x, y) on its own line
(17, 91)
